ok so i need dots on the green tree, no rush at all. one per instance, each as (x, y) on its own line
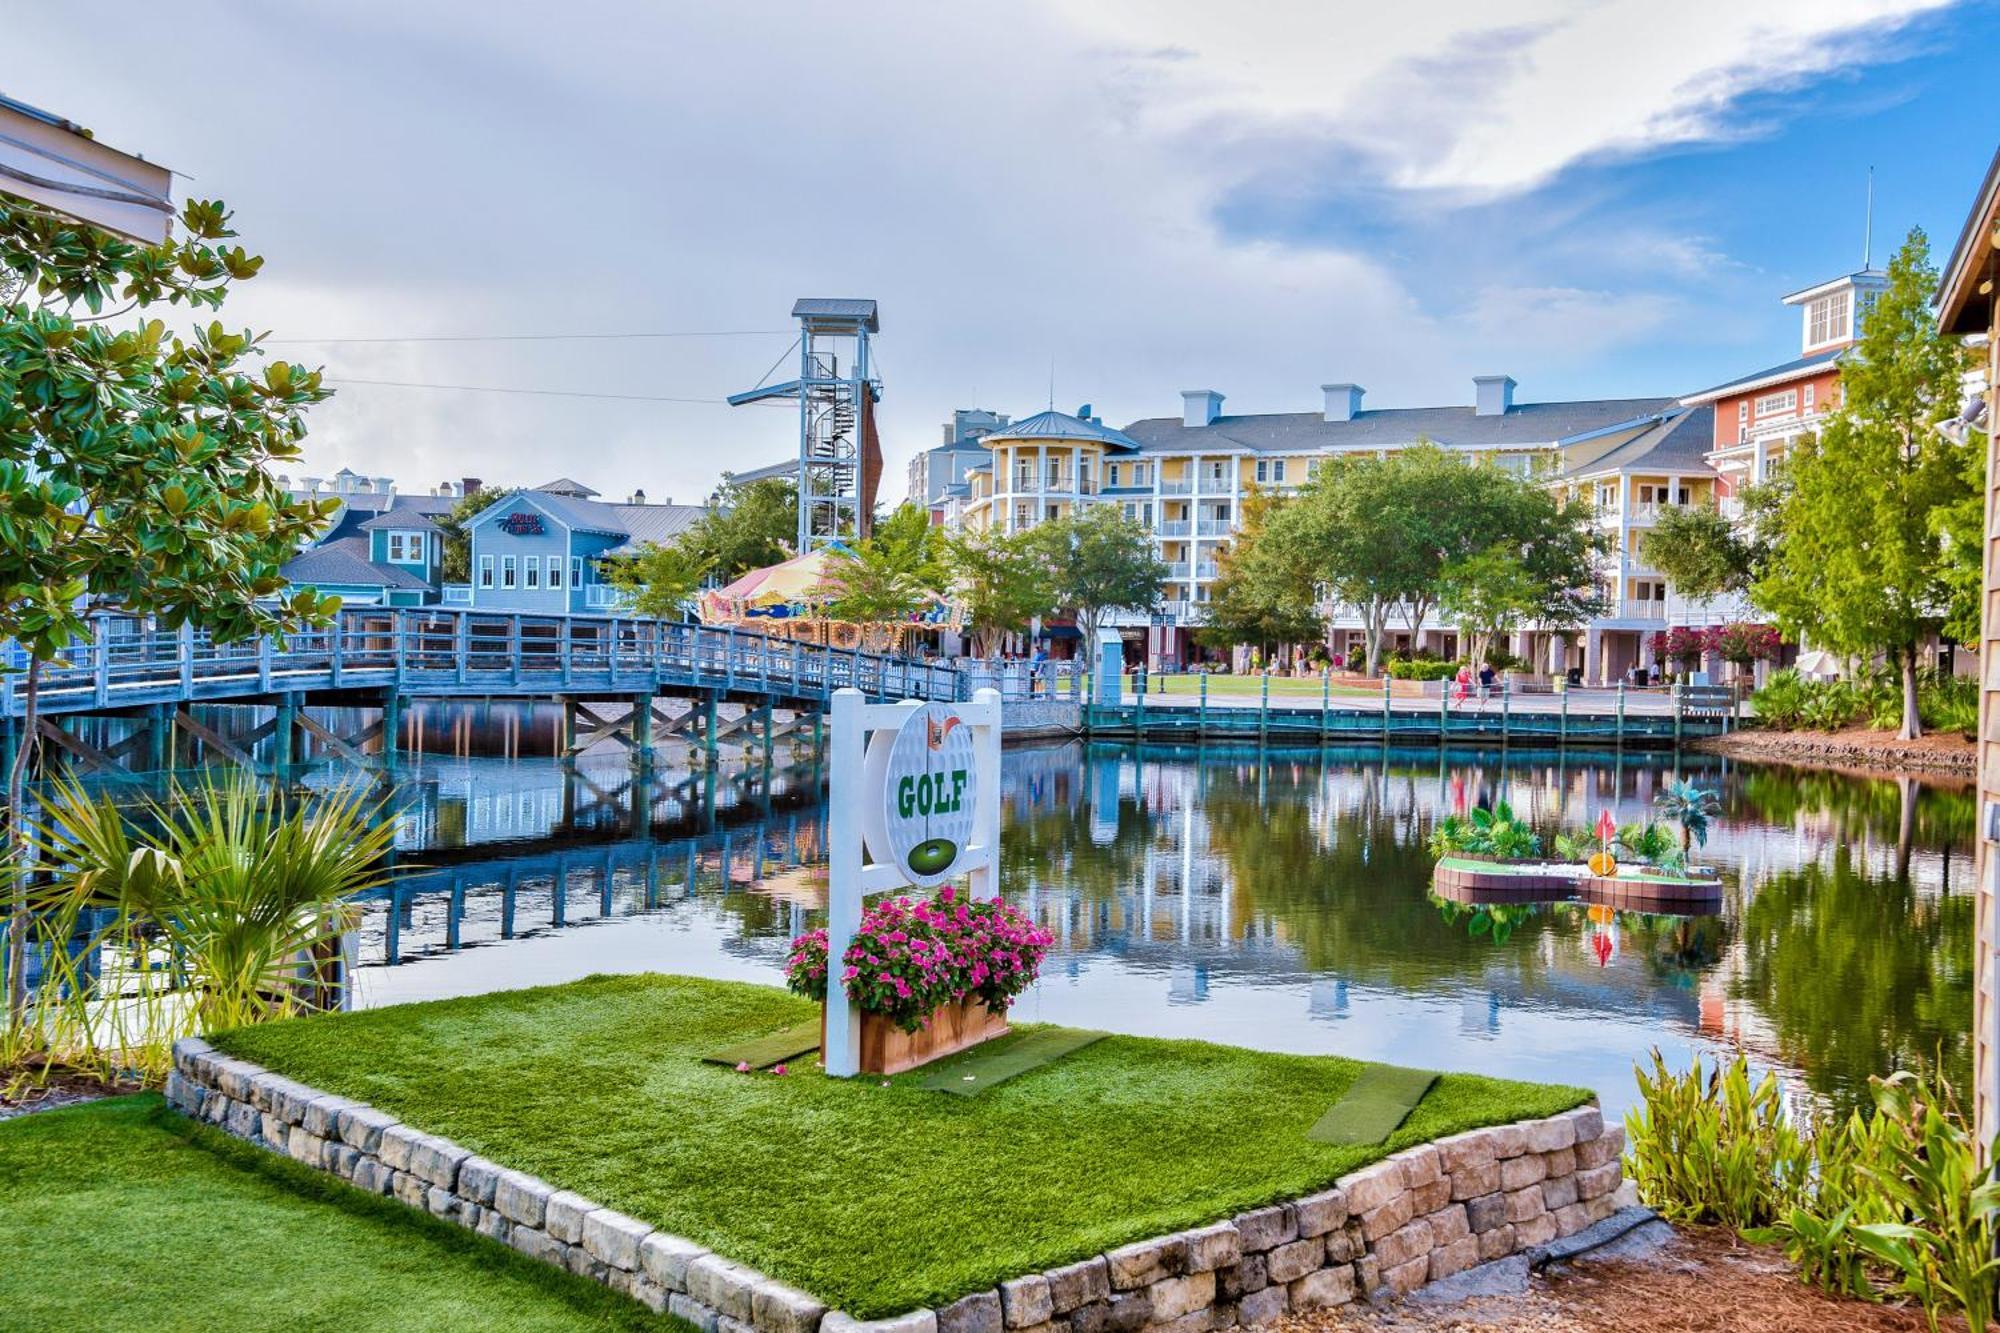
(1860, 566)
(1002, 580)
(455, 525)
(1103, 562)
(135, 464)
(1488, 593)
(660, 578)
(1263, 591)
(747, 527)
(1702, 552)
(1961, 527)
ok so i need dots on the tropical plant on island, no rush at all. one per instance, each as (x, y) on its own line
(1497, 832)
(911, 957)
(1691, 806)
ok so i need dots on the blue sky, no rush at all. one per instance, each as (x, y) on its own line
(1599, 198)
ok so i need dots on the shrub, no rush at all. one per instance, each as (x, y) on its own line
(1495, 832)
(1781, 702)
(1706, 1146)
(913, 956)
(1422, 668)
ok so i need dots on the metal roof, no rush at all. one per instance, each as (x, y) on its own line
(403, 518)
(1678, 442)
(565, 486)
(1522, 425)
(1054, 425)
(655, 524)
(837, 308)
(1770, 375)
(346, 562)
(786, 467)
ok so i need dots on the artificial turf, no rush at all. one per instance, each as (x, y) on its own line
(875, 1198)
(121, 1214)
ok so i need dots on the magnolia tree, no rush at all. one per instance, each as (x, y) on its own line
(134, 463)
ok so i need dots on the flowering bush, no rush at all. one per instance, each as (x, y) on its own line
(1683, 643)
(912, 956)
(1744, 643)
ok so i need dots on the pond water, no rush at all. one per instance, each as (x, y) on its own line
(1278, 900)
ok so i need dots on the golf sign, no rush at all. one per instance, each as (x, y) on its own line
(928, 778)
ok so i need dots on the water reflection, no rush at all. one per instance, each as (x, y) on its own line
(1279, 901)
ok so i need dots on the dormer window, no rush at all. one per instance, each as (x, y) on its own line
(1826, 319)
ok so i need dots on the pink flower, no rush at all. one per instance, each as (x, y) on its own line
(779, 1070)
(743, 1067)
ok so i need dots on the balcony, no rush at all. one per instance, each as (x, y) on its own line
(1647, 610)
(1179, 486)
(1213, 527)
(1173, 527)
(1177, 569)
(1207, 569)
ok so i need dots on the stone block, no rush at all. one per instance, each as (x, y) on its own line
(649, 1293)
(1145, 1262)
(536, 1244)
(397, 1142)
(1497, 1243)
(288, 1100)
(1558, 1131)
(665, 1258)
(242, 1121)
(1249, 1274)
(1294, 1259)
(321, 1115)
(1486, 1212)
(1421, 1165)
(585, 1264)
(563, 1217)
(1404, 1278)
(778, 1308)
(1587, 1122)
(1092, 1317)
(1606, 1147)
(1473, 1148)
(1341, 1247)
(494, 1226)
(372, 1176)
(1367, 1274)
(1537, 1230)
(410, 1189)
(1261, 1307)
(1601, 1207)
(1024, 1301)
(1399, 1247)
(1456, 1257)
(1323, 1289)
(1266, 1228)
(1317, 1214)
(1074, 1285)
(1129, 1310)
(977, 1313)
(273, 1130)
(476, 1179)
(1177, 1296)
(521, 1198)
(183, 1093)
(340, 1159)
(1429, 1198)
(613, 1237)
(1598, 1180)
(915, 1321)
(1518, 1173)
(215, 1107)
(1194, 1321)
(691, 1311)
(726, 1287)
(1508, 1141)
(233, 1077)
(1571, 1220)
(1558, 1192)
(1523, 1204)
(441, 1202)
(1561, 1162)
(305, 1146)
(362, 1126)
(1475, 1179)
(1449, 1224)
(436, 1160)
(187, 1049)
(724, 1324)
(1369, 1189)
(1391, 1216)
(1211, 1247)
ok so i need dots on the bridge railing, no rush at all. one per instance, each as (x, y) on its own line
(434, 647)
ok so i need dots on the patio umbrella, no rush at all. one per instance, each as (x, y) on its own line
(1818, 662)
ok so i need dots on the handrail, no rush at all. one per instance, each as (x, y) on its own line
(456, 649)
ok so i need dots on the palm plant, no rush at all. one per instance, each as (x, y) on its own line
(222, 894)
(1691, 807)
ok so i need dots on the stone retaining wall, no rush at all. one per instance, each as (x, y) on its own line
(1418, 1216)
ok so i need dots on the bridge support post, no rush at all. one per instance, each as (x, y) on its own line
(284, 738)
(392, 725)
(708, 727)
(642, 730)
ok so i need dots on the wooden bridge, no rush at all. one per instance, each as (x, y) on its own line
(377, 659)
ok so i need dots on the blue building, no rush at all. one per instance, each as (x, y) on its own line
(544, 550)
(341, 568)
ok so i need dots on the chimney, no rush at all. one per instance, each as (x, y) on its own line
(468, 486)
(1492, 395)
(385, 485)
(1343, 401)
(639, 496)
(1200, 407)
(310, 485)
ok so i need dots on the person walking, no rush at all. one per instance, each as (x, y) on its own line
(1463, 685)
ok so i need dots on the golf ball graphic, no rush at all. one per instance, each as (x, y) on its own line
(931, 856)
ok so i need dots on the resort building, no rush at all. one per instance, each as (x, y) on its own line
(1185, 478)
(938, 473)
(1760, 416)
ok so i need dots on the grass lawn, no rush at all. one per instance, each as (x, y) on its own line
(121, 1214)
(1252, 687)
(877, 1199)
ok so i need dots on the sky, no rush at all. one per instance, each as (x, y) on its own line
(1110, 200)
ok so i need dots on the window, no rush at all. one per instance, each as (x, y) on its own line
(485, 571)
(531, 573)
(1772, 404)
(1826, 320)
(1809, 398)
(555, 571)
(1607, 495)
(576, 571)
(1146, 514)
(506, 571)
(1743, 413)
(1111, 474)
(395, 546)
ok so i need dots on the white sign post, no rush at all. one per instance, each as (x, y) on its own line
(915, 802)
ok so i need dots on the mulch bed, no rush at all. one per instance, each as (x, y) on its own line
(1704, 1281)
(56, 1090)
(1859, 750)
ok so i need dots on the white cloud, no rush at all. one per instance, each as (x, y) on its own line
(1013, 184)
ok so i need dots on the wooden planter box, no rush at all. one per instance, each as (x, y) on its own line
(887, 1049)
